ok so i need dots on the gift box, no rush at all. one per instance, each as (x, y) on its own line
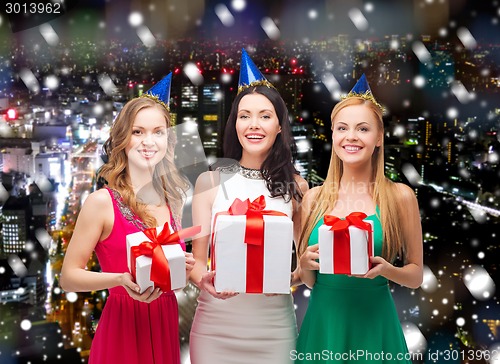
(252, 249)
(345, 246)
(156, 259)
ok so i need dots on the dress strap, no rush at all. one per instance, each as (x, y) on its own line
(174, 226)
(131, 217)
(172, 220)
(124, 210)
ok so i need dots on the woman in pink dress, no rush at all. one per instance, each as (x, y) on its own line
(143, 190)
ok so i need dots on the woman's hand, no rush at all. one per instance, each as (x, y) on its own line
(308, 260)
(207, 284)
(379, 267)
(189, 265)
(295, 278)
(148, 296)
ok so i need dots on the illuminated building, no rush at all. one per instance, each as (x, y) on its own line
(16, 215)
(18, 159)
(50, 165)
(207, 106)
(29, 289)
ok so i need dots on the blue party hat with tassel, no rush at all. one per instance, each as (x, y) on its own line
(250, 74)
(160, 92)
(362, 89)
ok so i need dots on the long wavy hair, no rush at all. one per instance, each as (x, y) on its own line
(277, 169)
(167, 180)
(383, 191)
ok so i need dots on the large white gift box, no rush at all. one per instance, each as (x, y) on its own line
(231, 254)
(142, 273)
(345, 251)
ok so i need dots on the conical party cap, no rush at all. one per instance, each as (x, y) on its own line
(250, 74)
(362, 89)
(160, 92)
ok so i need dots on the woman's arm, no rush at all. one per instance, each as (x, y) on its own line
(94, 222)
(203, 198)
(411, 274)
(307, 263)
(297, 217)
(205, 192)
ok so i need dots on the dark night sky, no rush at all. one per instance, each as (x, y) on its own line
(176, 19)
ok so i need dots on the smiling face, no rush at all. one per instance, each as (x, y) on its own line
(257, 125)
(149, 140)
(355, 135)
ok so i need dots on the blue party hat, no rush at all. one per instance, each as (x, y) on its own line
(362, 89)
(250, 74)
(160, 92)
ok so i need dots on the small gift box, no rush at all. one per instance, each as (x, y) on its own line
(155, 257)
(345, 246)
(252, 249)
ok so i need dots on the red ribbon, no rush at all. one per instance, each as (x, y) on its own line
(341, 239)
(254, 238)
(160, 269)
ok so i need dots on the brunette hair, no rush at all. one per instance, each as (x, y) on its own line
(277, 169)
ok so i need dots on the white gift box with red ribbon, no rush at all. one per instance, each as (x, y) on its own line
(345, 246)
(233, 265)
(155, 257)
(142, 274)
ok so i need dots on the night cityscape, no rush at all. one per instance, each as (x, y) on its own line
(433, 64)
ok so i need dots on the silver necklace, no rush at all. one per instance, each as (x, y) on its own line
(250, 173)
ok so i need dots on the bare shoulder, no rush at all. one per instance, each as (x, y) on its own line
(206, 189)
(303, 185)
(98, 202)
(312, 193)
(207, 180)
(96, 216)
(309, 197)
(405, 193)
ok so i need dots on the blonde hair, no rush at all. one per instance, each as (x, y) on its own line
(167, 180)
(383, 191)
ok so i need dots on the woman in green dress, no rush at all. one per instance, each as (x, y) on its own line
(353, 318)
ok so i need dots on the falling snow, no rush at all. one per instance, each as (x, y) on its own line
(466, 38)
(49, 34)
(358, 19)
(270, 28)
(193, 73)
(224, 15)
(421, 52)
(458, 288)
(146, 36)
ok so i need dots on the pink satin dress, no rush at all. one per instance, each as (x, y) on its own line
(129, 331)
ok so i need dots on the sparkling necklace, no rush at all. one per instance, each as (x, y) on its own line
(250, 173)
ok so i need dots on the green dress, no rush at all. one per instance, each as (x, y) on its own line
(351, 319)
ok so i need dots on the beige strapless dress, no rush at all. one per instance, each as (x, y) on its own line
(248, 328)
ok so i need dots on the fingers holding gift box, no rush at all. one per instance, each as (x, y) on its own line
(345, 246)
(207, 284)
(190, 261)
(156, 259)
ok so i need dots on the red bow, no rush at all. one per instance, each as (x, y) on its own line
(254, 231)
(160, 269)
(342, 251)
